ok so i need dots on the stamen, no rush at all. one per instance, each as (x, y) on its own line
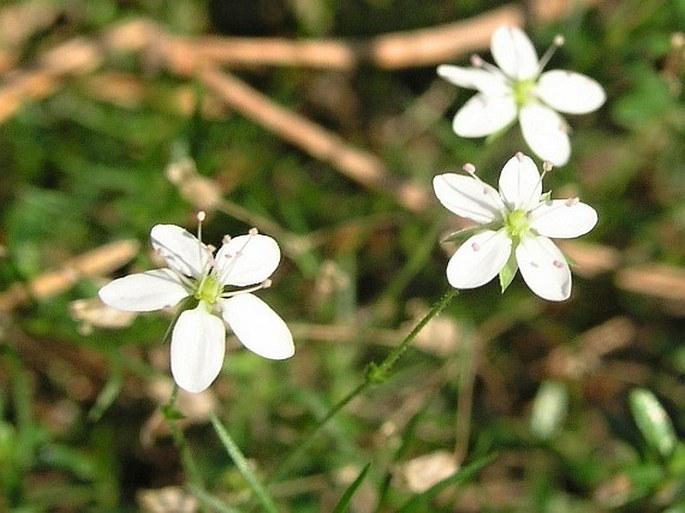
(546, 168)
(478, 62)
(519, 156)
(470, 169)
(265, 284)
(201, 216)
(226, 239)
(572, 201)
(556, 43)
(223, 270)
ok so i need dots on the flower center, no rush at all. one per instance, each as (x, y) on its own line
(523, 91)
(209, 290)
(517, 223)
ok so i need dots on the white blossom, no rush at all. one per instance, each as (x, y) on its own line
(518, 88)
(213, 281)
(515, 226)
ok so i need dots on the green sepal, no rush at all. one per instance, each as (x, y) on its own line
(496, 135)
(465, 233)
(506, 275)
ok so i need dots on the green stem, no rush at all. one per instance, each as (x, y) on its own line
(375, 374)
(172, 415)
(243, 465)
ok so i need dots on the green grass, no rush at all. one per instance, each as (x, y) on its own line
(547, 407)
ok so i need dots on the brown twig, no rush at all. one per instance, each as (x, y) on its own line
(357, 164)
(413, 48)
(99, 261)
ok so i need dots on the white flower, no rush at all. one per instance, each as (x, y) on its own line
(516, 223)
(518, 88)
(198, 338)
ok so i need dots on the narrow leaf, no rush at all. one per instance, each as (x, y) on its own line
(653, 421)
(346, 498)
(243, 466)
(419, 502)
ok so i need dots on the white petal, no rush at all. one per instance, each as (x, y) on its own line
(198, 344)
(544, 268)
(545, 132)
(570, 92)
(181, 250)
(514, 53)
(247, 259)
(484, 115)
(563, 218)
(144, 292)
(468, 197)
(258, 327)
(479, 259)
(519, 183)
(475, 78)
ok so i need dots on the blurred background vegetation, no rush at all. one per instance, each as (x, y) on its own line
(117, 115)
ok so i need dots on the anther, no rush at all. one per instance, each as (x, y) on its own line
(519, 156)
(266, 283)
(253, 231)
(475, 246)
(572, 201)
(469, 168)
(559, 40)
(226, 239)
(476, 61)
(547, 166)
(557, 264)
(201, 215)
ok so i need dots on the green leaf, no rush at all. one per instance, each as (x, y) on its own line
(653, 421)
(344, 502)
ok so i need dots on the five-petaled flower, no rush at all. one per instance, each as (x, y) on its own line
(198, 338)
(518, 88)
(515, 226)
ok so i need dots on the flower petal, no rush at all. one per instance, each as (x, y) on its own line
(570, 92)
(563, 218)
(484, 115)
(144, 292)
(514, 53)
(258, 327)
(247, 259)
(519, 183)
(544, 268)
(545, 132)
(468, 197)
(479, 259)
(181, 250)
(198, 345)
(484, 81)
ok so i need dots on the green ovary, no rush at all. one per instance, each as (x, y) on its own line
(517, 224)
(523, 90)
(209, 290)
